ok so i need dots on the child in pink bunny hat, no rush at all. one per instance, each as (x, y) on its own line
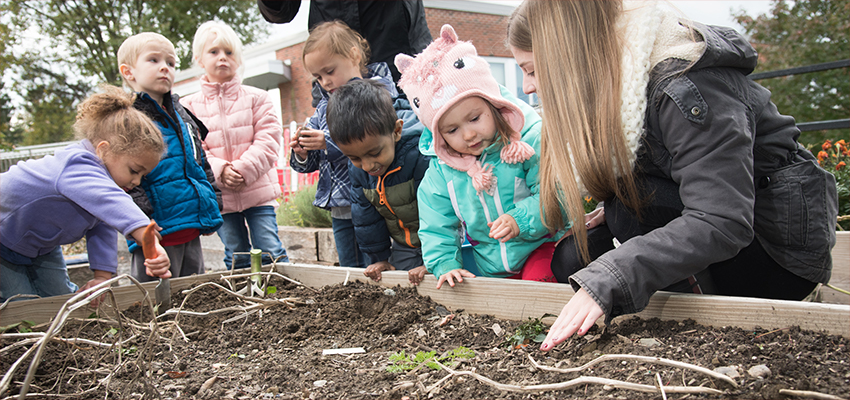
(482, 184)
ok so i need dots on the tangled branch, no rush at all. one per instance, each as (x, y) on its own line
(585, 380)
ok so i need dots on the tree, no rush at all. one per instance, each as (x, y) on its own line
(50, 102)
(801, 33)
(84, 36)
(7, 136)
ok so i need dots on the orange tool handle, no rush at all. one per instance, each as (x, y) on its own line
(149, 241)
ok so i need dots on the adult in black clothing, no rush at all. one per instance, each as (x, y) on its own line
(382, 23)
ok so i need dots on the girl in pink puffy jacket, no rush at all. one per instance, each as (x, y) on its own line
(242, 146)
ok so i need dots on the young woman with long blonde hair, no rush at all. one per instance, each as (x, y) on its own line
(702, 180)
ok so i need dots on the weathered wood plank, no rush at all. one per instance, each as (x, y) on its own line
(518, 300)
(511, 299)
(42, 310)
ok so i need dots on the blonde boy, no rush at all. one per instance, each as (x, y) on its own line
(179, 193)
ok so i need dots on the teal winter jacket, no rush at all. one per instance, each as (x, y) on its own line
(450, 208)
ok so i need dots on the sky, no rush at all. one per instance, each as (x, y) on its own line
(713, 12)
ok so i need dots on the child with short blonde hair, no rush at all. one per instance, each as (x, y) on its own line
(482, 184)
(180, 193)
(78, 192)
(242, 145)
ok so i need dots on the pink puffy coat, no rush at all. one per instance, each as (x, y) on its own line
(243, 132)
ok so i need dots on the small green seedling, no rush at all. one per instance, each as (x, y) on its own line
(271, 290)
(127, 350)
(401, 362)
(533, 330)
(22, 327)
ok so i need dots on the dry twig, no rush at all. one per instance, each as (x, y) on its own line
(808, 394)
(652, 360)
(582, 380)
(77, 301)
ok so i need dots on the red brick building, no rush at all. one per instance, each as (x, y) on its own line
(276, 65)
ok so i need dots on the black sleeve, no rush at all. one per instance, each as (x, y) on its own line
(278, 12)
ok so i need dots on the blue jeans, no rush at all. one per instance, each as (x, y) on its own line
(346, 244)
(262, 223)
(46, 276)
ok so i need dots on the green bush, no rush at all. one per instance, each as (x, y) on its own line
(300, 211)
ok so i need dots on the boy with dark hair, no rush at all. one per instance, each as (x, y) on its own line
(381, 138)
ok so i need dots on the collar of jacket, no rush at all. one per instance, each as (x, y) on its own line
(228, 90)
(652, 33)
(146, 104)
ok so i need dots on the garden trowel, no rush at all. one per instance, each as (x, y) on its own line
(163, 295)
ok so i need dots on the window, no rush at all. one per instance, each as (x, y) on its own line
(500, 67)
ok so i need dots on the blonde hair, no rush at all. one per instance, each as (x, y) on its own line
(337, 38)
(577, 54)
(110, 116)
(224, 37)
(133, 46)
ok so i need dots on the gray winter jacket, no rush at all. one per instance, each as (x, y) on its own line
(741, 174)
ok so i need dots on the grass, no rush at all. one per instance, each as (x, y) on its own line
(300, 211)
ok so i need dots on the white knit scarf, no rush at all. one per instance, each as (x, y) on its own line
(651, 33)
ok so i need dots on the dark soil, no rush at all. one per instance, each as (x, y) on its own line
(279, 354)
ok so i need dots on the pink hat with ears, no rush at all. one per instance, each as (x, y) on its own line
(448, 71)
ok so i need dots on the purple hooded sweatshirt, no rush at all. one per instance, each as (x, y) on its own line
(59, 199)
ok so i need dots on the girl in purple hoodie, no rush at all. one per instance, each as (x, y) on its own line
(81, 191)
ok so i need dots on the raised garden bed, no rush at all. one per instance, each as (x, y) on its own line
(278, 354)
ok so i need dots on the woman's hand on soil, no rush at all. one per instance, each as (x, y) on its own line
(504, 228)
(416, 275)
(159, 267)
(374, 271)
(580, 313)
(454, 275)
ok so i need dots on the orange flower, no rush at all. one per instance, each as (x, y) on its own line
(841, 143)
(839, 166)
(827, 145)
(822, 155)
(588, 199)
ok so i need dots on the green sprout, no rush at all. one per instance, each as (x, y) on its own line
(401, 362)
(533, 330)
(22, 327)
